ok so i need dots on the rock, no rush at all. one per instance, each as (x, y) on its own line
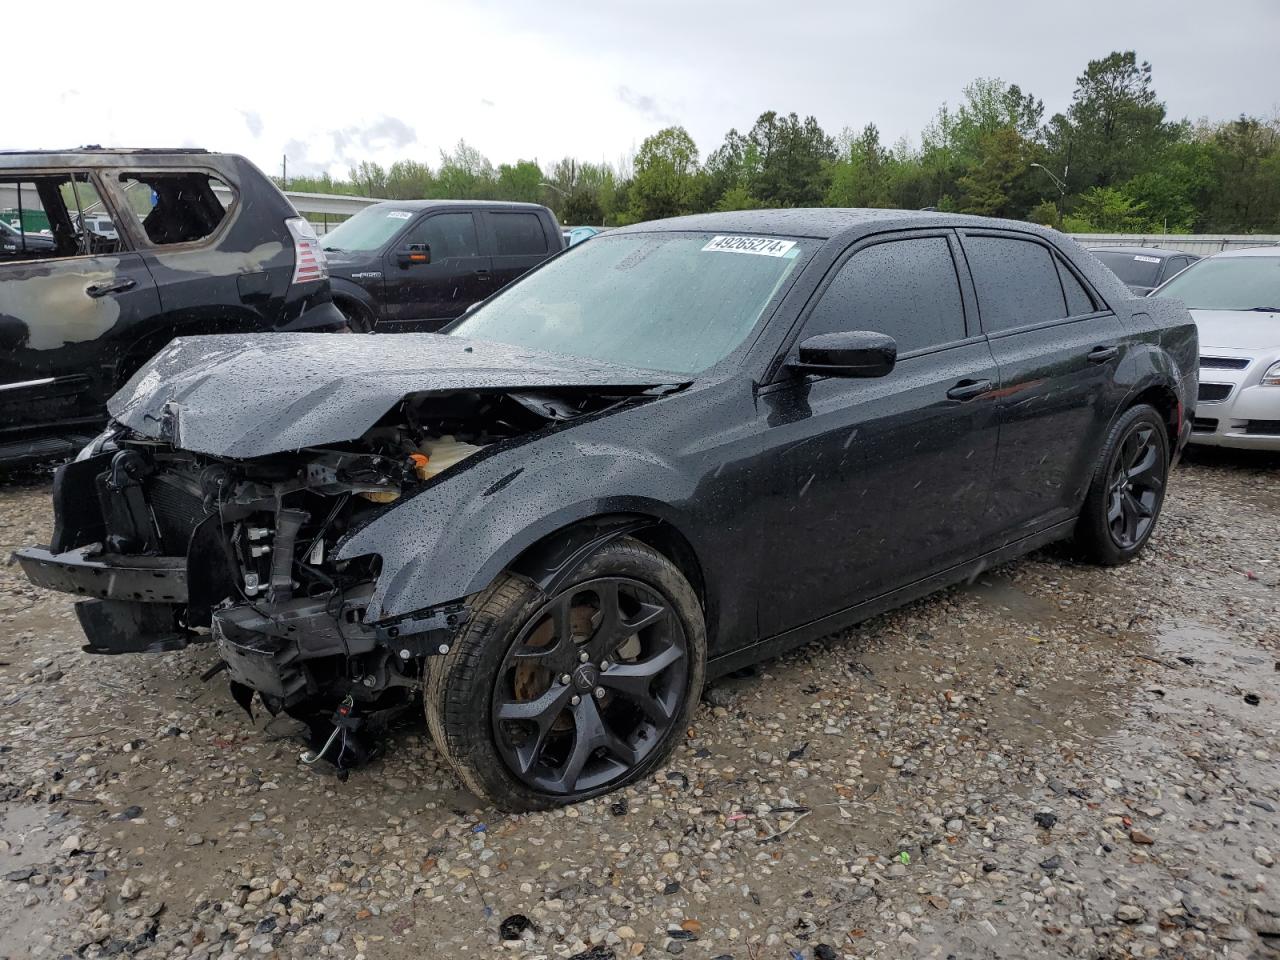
(1141, 836)
(1130, 913)
(130, 890)
(1045, 819)
(1264, 857)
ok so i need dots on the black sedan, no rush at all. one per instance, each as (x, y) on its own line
(1142, 269)
(669, 452)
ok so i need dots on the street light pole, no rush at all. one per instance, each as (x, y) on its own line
(1062, 187)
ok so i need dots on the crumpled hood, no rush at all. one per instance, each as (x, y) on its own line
(246, 396)
(1237, 329)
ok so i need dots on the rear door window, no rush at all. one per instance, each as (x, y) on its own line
(54, 216)
(1016, 282)
(448, 234)
(1079, 302)
(518, 234)
(906, 289)
(174, 207)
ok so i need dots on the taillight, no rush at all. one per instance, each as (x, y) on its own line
(308, 259)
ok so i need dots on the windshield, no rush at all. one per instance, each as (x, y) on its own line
(1228, 283)
(1137, 269)
(666, 301)
(367, 232)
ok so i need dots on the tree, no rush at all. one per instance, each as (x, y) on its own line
(861, 178)
(465, 174)
(1107, 210)
(409, 180)
(1115, 127)
(666, 175)
(786, 160)
(988, 186)
(369, 179)
(521, 181)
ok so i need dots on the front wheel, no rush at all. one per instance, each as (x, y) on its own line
(1127, 491)
(549, 700)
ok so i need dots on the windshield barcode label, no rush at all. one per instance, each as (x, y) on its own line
(762, 246)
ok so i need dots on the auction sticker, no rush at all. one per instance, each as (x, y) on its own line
(1142, 259)
(760, 246)
(398, 214)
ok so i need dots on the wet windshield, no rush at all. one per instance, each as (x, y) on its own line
(1228, 283)
(1137, 269)
(666, 301)
(367, 232)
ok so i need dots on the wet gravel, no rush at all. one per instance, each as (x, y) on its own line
(1056, 760)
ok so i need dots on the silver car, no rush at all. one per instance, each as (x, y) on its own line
(1235, 300)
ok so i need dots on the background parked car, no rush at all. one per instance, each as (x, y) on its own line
(417, 264)
(16, 242)
(1142, 269)
(1235, 300)
(143, 246)
(574, 235)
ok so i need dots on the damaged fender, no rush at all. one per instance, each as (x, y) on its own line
(455, 537)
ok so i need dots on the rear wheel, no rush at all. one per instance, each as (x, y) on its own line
(1127, 491)
(548, 700)
(359, 317)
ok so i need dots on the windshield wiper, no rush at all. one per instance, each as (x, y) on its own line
(1264, 309)
(333, 250)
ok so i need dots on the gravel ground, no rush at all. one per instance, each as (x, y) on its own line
(1056, 760)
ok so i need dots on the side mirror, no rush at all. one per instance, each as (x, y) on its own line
(858, 353)
(415, 254)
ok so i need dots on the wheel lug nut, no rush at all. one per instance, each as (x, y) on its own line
(564, 679)
(575, 700)
(604, 664)
(599, 692)
(583, 657)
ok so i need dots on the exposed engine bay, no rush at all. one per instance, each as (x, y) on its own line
(172, 547)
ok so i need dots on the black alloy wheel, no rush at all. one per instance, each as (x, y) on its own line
(592, 684)
(1135, 486)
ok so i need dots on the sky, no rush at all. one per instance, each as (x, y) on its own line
(551, 78)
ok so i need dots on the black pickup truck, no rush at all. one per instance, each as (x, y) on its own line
(414, 265)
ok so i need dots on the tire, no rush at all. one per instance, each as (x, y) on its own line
(359, 317)
(1127, 490)
(617, 718)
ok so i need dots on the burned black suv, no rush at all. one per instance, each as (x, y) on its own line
(664, 454)
(107, 255)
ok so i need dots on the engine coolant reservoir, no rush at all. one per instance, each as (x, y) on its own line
(442, 453)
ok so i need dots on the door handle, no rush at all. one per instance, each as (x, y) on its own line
(483, 274)
(113, 286)
(968, 389)
(1103, 354)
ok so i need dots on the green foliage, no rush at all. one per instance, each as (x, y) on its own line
(1125, 167)
(665, 183)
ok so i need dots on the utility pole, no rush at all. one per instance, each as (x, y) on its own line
(284, 172)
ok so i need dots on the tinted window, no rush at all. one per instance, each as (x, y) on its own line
(1173, 266)
(368, 231)
(1078, 300)
(449, 234)
(1016, 281)
(1139, 269)
(55, 216)
(518, 233)
(906, 289)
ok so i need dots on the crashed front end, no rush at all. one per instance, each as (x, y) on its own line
(170, 548)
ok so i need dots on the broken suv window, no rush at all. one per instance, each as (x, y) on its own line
(54, 216)
(177, 207)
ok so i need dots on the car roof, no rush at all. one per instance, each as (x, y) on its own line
(1271, 250)
(428, 204)
(105, 157)
(824, 222)
(1160, 252)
